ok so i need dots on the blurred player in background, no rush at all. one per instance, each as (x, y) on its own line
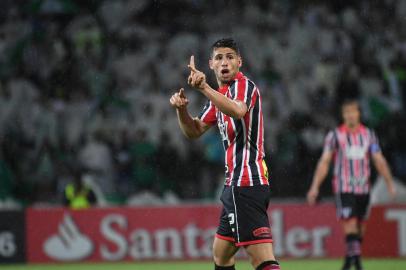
(351, 146)
(236, 108)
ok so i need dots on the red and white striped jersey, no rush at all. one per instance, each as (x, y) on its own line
(243, 139)
(352, 152)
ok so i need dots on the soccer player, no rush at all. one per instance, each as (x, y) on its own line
(351, 146)
(236, 109)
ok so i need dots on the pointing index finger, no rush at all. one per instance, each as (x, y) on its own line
(192, 64)
(182, 93)
(192, 61)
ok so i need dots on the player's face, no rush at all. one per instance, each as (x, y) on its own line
(351, 114)
(225, 63)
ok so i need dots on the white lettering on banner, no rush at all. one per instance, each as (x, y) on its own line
(207, 237)
(277, 232)
(298, 241)
(115, 237)
(163, 239)
(318, 235)
(400, 217)
(295, 242)
(8, 247)
(168, 242)
(141, 244)
(191, 234)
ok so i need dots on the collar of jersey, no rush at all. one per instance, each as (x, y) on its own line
(237, 77)
(346, 129)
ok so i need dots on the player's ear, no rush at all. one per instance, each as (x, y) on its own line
(239, 61)
(211, 63)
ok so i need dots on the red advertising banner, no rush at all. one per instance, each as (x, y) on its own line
(165, 233)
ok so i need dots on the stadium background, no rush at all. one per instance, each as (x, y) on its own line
(86, 84)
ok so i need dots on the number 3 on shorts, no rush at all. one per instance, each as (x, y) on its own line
(231, 218)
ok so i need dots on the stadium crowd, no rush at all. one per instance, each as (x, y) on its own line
(84, 85)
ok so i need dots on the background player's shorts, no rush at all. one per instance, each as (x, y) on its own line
(244, 218)
(351, 205)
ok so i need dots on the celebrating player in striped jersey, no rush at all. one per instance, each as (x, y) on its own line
(236, 109)
(351, 145)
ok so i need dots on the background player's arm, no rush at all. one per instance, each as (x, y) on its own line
(319, 176)
(383, 169)
(191, 127)
(232, 108)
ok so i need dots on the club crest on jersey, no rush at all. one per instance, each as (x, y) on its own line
(356, 152)
(223, 130)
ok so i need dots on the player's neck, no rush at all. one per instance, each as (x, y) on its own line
(353, 128)
(221, 84)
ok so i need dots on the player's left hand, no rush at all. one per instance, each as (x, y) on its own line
(312, 196)
(392, 191)
(196, 79)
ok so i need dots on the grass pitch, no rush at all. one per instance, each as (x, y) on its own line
(387, 264)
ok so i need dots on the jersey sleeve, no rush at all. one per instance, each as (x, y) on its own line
(374, 146)
(244, 90)
(208, 114)
(330, 143)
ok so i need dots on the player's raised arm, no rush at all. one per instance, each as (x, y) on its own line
(197, 79)
(319, 176)
(191, 127)
(383, 169)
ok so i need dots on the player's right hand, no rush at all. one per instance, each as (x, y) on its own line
(179, 99)
(196, 79)
(312, 196)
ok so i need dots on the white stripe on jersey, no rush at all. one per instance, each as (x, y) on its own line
(207, 111)
(244, 154)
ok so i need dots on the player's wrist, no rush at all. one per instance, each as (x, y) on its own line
(205, 89)
(181, 109)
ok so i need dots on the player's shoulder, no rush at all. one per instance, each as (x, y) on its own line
(335, 134)
(367, 130)
(241, 78)
(335, 130)
(331, 133)
(244, 84)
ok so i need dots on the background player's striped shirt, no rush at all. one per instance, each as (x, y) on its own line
(243, 139)
(352, 153)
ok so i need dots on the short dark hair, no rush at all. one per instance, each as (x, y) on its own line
(226, 43)
(350, 101)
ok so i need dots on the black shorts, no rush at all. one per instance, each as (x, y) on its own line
(351, 205)
(244, 218)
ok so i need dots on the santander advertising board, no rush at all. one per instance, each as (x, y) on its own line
(185, 233)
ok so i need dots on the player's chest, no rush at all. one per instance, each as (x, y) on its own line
(225, 124)
(353, 146)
